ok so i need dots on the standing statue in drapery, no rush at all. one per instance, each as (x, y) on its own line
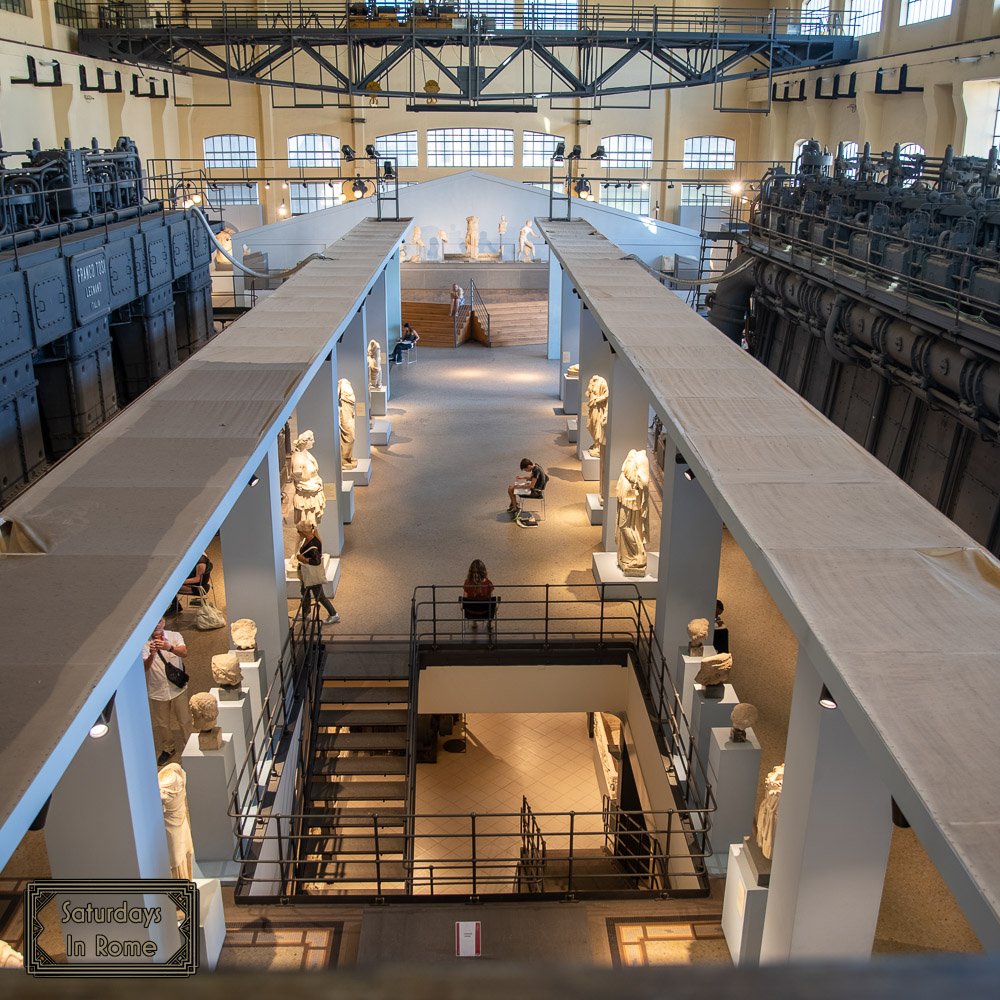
(472, 236)
(597, 422)
(767, 814)
(417, 245)
(347, 407)
(525, 248)
(374, 365)
(632, 524)
(309, 500)
(177, 820)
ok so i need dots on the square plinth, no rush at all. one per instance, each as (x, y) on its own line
(572, 429)
(571, 394)
(590, 468)
(595, 509)
(379, 399)
(347, 496)
(618, 586)
(381, 430)
(293, 585)
(211, 921)
(743, 908)
(361, 475)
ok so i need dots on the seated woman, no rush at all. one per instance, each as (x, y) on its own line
(405, 343)
(476, 593)
(196, 583)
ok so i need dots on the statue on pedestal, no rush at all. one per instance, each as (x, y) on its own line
(767, 814)
(204, 713)
(228, 676)
(177, 820)
(597, 413)
(374, 365)
(443, 240)
(525, 248)
(632, 524)
(309, 500)
(243, 633)
(417, 245)
(743, 717)
(347, 406)
(697, 634)
(472, 236)
(714, 674)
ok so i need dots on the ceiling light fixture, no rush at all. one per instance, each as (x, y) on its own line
(689, 475)
(349, 153)
(826, 699)
(103, 724)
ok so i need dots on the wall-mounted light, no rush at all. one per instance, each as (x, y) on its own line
(349, 153)
(826, 699)
(103, 724)
(267, 185)
(284, 185)
(559, 152)
(254, 479)
(282, 210)
(736, 188)
(371, 152)
(575, 155)
(599, 153)
(689, 475)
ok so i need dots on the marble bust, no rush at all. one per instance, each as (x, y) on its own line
(743, 717)
(177, 820)
(204, 714)
(573, 371)
(714, 674)
(767, 814)
(243, 632)
(227, 672)
(697, 634)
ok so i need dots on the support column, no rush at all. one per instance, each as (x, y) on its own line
(376, 306)
(254, 560)
(352, 364)
(595, 359)
(628, 423)
(690, 548)
(569, 336)
(317, 411)
(555, 309)
(832, 838)
(393, 302)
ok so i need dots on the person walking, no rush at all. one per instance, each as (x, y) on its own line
(310, 553)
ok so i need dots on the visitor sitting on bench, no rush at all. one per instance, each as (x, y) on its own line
(405, 343)
(477, 593)
(530, 483)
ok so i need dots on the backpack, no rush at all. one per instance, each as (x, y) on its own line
(209, 617)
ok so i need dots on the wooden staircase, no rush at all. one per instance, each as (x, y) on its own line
(356, 789)
(432, 322)
(517, 322)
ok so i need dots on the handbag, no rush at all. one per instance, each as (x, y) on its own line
(176, 675)
(209, 617)
(312, 576)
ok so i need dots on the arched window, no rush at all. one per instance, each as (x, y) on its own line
(709, 152)
(222, 151)
(815, 17)
(537, 148)
(851, 153)
(313, 150)
(312, 196)
(470, 147)
(627, 196)
(402, 145)
(797, 151)
(911, 149)
(628, 150)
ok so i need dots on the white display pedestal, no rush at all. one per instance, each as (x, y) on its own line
(381, 430)
(360, 476)
(235, 718)
(209, 773)
(733, 769)
(379, 399)
(253, 681)
(347, 507)
(595, 509)
(572, 429)
(708, 714)
(743, 909)
(605, 569)
(293, 585)
(211, 922)
(687, 670)
(590, 468)
(571, 394)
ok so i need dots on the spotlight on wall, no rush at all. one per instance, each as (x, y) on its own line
(582, 188)
(371, 152)
(38, 823)
(599, 153)
(254, 479)
(898, 819)
(267, 185)
(560, 151)
(387, 172)
(349, 153)
(284, 185)
(282, 209)
(575, 155)
(826, 699)
(103, 724)
(670, 186)
(736, 188)
(689, 475)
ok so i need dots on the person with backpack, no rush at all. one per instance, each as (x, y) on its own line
(530, 483)
(166, 680)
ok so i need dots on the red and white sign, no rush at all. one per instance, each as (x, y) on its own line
(468, 939)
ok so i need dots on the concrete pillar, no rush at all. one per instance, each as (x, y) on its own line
(628, 425)
(378, 326)
(690, 547)
(555, 309)
(595, 359)
(352, 364)
(254, 560)
(317, 411)
(393, 301)
(832, 839)
(569, 326)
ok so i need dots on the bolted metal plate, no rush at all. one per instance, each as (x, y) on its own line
(158, 257)
(91, 285)
(139, 264)
(15, 323)
(180, 244)
(49, 298)
(121, 272)
(200, 252)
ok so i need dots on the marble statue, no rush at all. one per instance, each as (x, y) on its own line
(443, 240)
(374, 365)
(472, 236)
(204, 713)
(714, 674)
(226, 671)
(177, 820)
(743, 717)
(632, 524)
(502, 225)
(597, 412)
(573, 371)
(525, 248)
(9, 958)
(697, 634)
(767, 814)
(225, 240)
(417, 245)
(243, 632)
(309, 500)
(348, 407)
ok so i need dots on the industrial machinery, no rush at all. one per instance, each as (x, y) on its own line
(873, 288)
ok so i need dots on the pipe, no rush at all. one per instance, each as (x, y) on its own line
(731, 301)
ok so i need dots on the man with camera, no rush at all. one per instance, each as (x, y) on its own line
(163, 657)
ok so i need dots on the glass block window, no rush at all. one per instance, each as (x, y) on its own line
(313, 150)
(628, 197)
(709, 152)
(815, 17)
(915, 11)
(863, 17)
(402, 145)
(233, 194)
(223, 151)
(537, 148)
(311, 197)
(551, 15)
(628, 150)
(705, 194)
(470, 147)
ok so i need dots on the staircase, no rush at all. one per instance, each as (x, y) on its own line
(432, 322)
(517, 319)
(356, 787)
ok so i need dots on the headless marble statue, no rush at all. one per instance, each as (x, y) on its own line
(632, 514)
(767, 815)
(472, 236)
(525, 248)
(177, 820)
(309, 500)
(347, 406)
(374, 365)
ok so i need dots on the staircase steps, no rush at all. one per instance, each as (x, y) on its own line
(518, 323)
(364, 742)
(356, 791)
(383, 695)
(334, 766)
(355, 817)
(358, 844)
(363, 871)
(432, 321)
(362, 717)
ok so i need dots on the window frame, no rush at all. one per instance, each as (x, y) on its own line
(218, 199)
(819, 19)
(628, 155)
(943, 8)
(401, 160)
(300, 192)
(866, 17)
(470, 147)
(229, 159)
(707, 158)
(718, 194)
(316, 154)
(540, 157)
(636, 192)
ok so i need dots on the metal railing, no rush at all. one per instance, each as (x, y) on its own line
(479, 312)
